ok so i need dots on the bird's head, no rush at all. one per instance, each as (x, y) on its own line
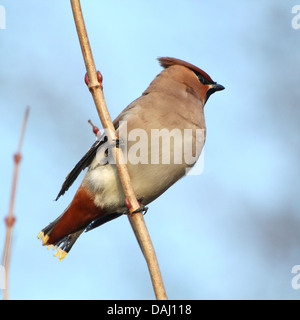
(197, 81)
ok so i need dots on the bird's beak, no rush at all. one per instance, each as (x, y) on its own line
(218, 87)
(213, 88)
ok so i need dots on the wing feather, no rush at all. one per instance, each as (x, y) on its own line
(80, 166)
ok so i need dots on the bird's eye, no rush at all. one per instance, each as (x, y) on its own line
(201, 78)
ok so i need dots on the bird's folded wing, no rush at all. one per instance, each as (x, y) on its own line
(81, 165)
(89, 156)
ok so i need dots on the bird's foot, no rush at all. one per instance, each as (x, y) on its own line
(142, 208)
(118, 143)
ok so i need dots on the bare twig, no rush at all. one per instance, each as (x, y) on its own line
(136, 220)
(10, 219)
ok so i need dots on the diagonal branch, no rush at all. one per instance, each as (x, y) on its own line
(136, 220)
(10, 219)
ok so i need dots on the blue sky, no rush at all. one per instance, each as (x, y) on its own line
(231, 232)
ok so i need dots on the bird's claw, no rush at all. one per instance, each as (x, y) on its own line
(141, 209)
(118, 143)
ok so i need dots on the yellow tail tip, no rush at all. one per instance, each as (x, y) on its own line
(43, 237)
(61, 254)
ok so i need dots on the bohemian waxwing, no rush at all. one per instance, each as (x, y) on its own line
(162, 134)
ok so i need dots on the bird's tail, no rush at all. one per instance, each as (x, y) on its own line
(63, 245)
(65, 230)
(82, 214)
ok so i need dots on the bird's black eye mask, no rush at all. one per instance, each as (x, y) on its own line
(208, 81)
(209, 93)
(202, 78)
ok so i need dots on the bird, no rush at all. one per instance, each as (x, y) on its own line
(173, 104)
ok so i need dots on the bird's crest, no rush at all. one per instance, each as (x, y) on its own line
(166, 62)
